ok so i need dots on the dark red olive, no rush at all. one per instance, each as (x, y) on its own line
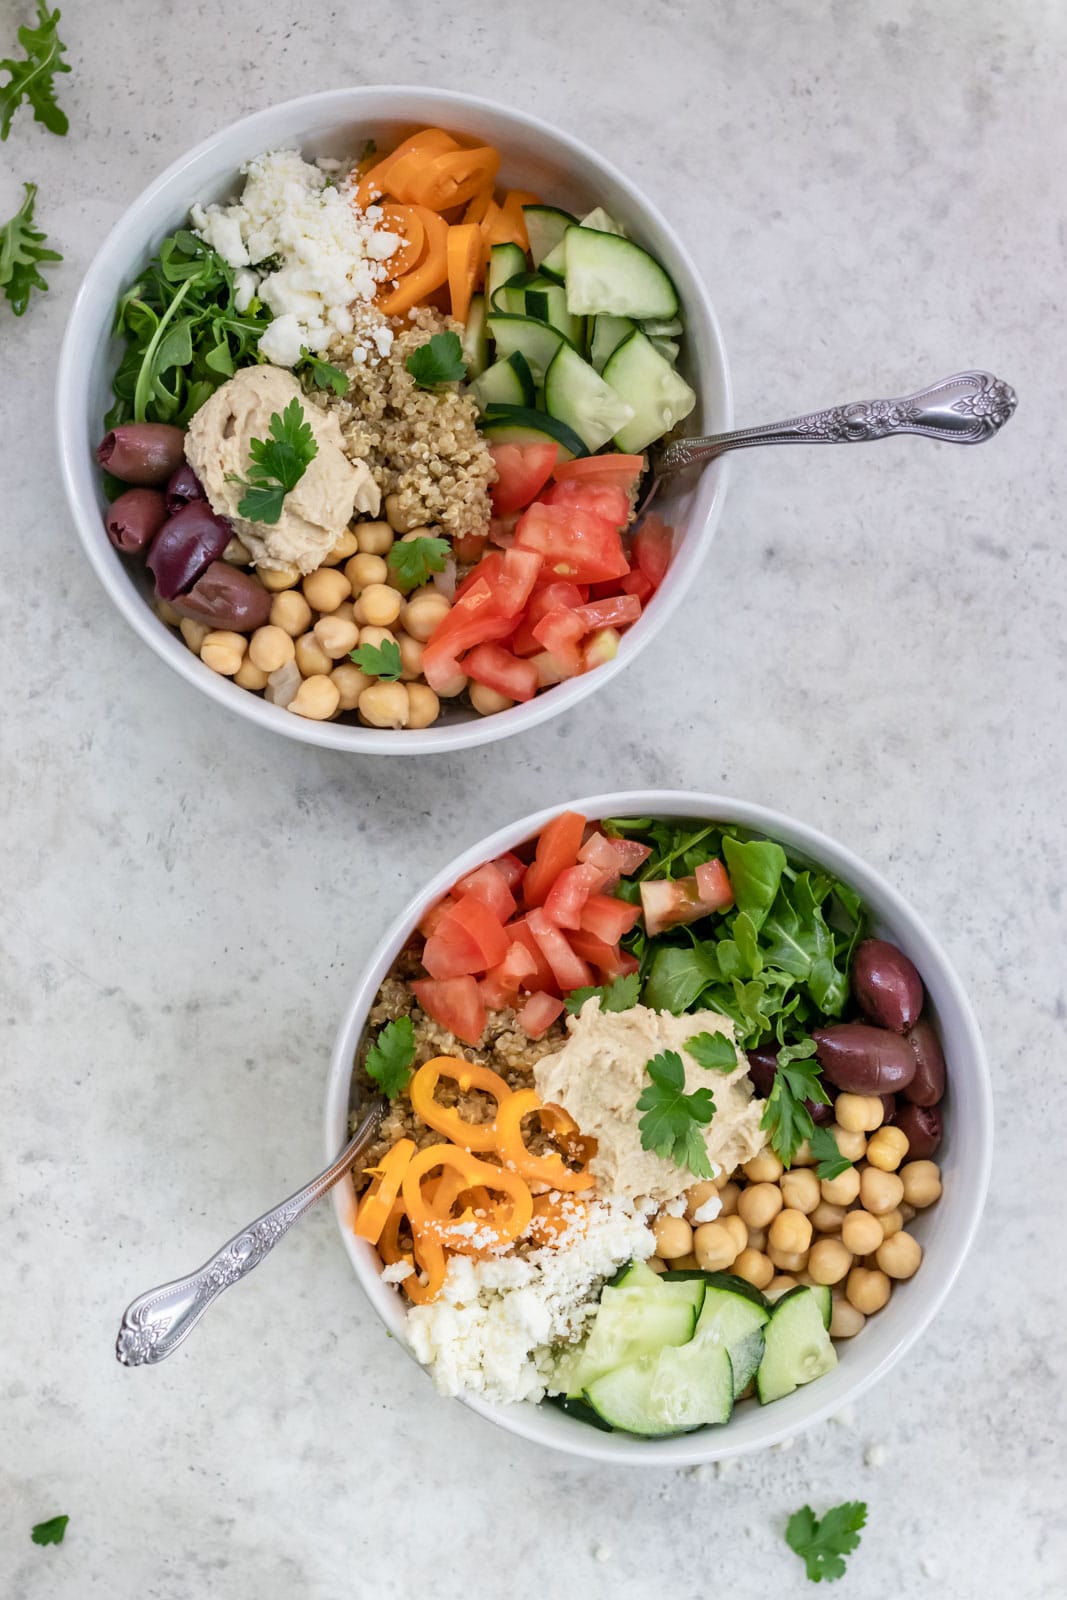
(923, 1127)
(886, 985)
(226, 597)
(183, 486)
(928, 1085)
(762, 1065)
(862, 1059)
(142, 452)
(134, 519)
(185, 546)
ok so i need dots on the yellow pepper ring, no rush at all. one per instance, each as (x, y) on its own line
(512, 1150)
(377, 1202)
(438, 1224)
(428, 1254)
(446, 1119)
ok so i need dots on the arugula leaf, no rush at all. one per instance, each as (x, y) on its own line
(31, 80)
(390, 1057)
(714, 1051)
(831, 1163)
(678, 976)
(322, 374)
(786, 1118)
(21, 254)
(278, 464)
(439, 360)
(50, 1532)
(823, 1542)
(618, 995)
(412, 560)
(755, 870)
(378, 661)
(672, 1118)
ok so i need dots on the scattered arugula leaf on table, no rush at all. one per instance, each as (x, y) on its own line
(50, 1532)
(411, 561)
(278, 464)
(619, 994)
(823, 1542)
(672, 1121)
(439, 360)
(21, 254)
(32, 80)
(390, 1057)
(379, 661)
(714, 1051)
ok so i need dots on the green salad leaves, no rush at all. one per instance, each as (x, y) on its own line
(22, 251)
(439, 360)
(278, 464)
(31, 81)
(672, 1118)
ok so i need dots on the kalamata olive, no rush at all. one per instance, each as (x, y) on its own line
(862, 1059)
(923, 1127)
(185, 546)
(762, 1065)
(889, 1106)
(134, 519)
(886, 985)
(142, 452)
(226, 597)
(183, 486)
(928, 1085)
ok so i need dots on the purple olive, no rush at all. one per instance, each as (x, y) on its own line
(226, 597)
(862, 1059)
(886, 984)
(142, 452)
(762, 1065)
(928, 1085)
(134, 519)
(185, 546)
(923, 1127)
(183, 486)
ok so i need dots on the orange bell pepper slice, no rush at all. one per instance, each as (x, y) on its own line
(406, 222)
(427, 143)
(555, 1217)
(514, 201)
(464, 264)
(512, 1150)
(479, 204)
(466, 1233)
(418, 285)
(447, 180)
(426, 1255)
(446, 1119)
(378, 1200)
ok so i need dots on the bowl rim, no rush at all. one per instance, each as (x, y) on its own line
(123, 239)
(707, 1446)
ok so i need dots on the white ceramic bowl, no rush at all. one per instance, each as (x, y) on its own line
(535, 156)
(946, 1230)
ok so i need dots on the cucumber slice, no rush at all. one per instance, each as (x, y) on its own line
(668, 348)
(507, 382)
(545, 227)
(797, 1346)
(638, 1275)
(531, 294)
(577, 395)
(507, 424)
(822, 1294)
(506, 261)
(735, 1322)
(727, 1281)
(598, 221)
(608, 334)
(603, 222)
(537, 341)
(632, 1322)
(555, 263)
(660, 328)
(580, 1409)
(608, 273)
(672, 1392)
(658, 396)
(475, 340)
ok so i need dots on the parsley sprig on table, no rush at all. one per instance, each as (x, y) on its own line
(673, 1119)
(278, 464)
(50, 1532)
(411, 561)
(617, 995)
(439, 360)
(32, 80)
(823, 1542)
(391, 1055)
(21, 253)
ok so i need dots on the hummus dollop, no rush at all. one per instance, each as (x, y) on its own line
(599, 1073)
(317, 511)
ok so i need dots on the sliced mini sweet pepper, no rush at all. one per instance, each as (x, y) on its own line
(446, 1119)
(379, 1198)
(511, 1147)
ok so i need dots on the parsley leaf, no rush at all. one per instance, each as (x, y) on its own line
(618, 995)
(672, 1119)
(786, 1118)
(412, 560)
(714, 1051)
(50, 1532)
(391, 1055)
(823, 1542)
(831, 1163)
(31, 80)
(378, 661)
(438, 361)
(322, 374)
(278, 464)
(21, 253)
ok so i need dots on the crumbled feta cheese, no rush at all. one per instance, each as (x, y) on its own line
(601, 1553)
(397, 1272)
(874, 1455)
(282, 341)
(845, 1418)
(675, 1208)
(709, 1210)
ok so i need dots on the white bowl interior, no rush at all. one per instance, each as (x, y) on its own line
(338, 122)
(945, 1231)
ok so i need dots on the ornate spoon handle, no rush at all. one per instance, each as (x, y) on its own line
(157, 1322)
(965, 409)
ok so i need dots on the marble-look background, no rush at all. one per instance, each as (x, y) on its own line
(875, 193)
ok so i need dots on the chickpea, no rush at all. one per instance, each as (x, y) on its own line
(735, 1227)
(350, 684)
(907, 1213)
(841, 1191)
(861, 1233)
(790, 1231)
(379, 605)
(166, 613)
(249, 676)
(791, 1261)
(827, 1218)
(800, 1190)
(899, 1257)
(828, 1261)
(887, 1149)
(892, 1222)
(311, 658)
(859, 1113)
(423, 705)
(757, 1239)
(656, 1265)
(804, 1157)
(781, 1283)
(421, 532)
(346, 546)
(853, 1146)
(764, 1168)
(345, 612)
(400, 520)
(223, 651)
(487, 701)
(422, 613)
(880, 1191)
(237, 553)
(922, 1183)
(759, 1204)
(325, 588)
(729, 1195)
(698, 1195)
(364, 570)
(290, 611)
(278, 578)
(336, 636)
(845, 1320)
(449, 688)
(674, 1237)
(194, 633)
(714, 1247)
(721, 1178)
(410, 657)
(867, 1290)
(385, 705)
(270, 648)
(374, 538)
(754, 1267)
(317, 698)
(685, 1264)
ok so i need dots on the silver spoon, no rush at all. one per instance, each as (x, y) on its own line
(157, 1322)
(967, 408)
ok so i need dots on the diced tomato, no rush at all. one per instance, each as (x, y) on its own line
(600, 647)
(484, 610)
(567, 896)
(636, 583)
(538, 1014)
(574, 542)
(543, 600)
(609, 960)
(510, 576)
(452, 951)
(714, 886)
(516, 966)
(485, 929)
(607, 499)
(624, 469)
(498, 669)
(521, 470)
(598, 852)
(541, 978)
(489, 885)
(607, 917)
(557, 848)
(512, 869)
(468, 547)
(568, 968)
(455, 1003)
(502, 530)
(631, 854)
(616, 613)
(432, 917)
(559, 631)
(495, 995)
(653, 545)
(667, 905)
